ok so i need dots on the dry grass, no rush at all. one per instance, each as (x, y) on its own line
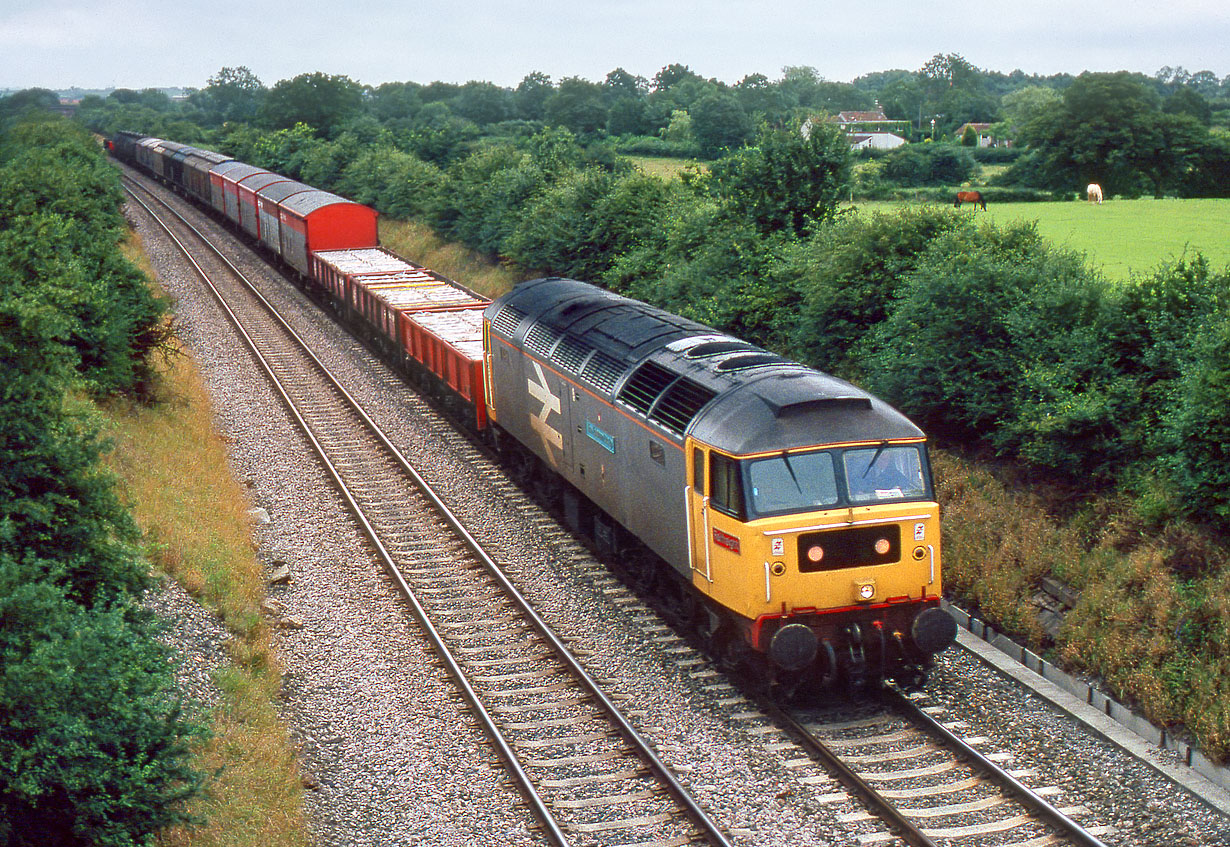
(419, 243)
(176, 479)
(1154, 609)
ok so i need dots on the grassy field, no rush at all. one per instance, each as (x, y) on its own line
(664, 167)
(1122, 236)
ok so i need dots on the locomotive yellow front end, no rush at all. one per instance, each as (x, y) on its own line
(827, 556)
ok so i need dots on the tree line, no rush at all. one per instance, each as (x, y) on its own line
(94, 747)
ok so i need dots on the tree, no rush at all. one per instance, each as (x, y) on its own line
(1109, 130)
(1186, 101)
(788, 181)
(484, 103)
(577, 104)
(719, 123)
(672, 75)
(1028, 104)
(322, 101)
(234, 94)
(620, 85)
(532, 94)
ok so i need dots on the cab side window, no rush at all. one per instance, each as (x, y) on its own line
(725, 486)
(698, 471)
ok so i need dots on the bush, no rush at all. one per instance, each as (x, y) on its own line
(651, 145)
(847, 275)
(1199, 425)
(556, 233)
(93, 748)
(982, 323)
(928, 164)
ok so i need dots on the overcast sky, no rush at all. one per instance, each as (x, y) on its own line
(141, 43)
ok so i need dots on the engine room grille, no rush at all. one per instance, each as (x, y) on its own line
(647, 382)
(507, 320)
(603, 371)
(570, 352)
(680, 403)
(540, 338)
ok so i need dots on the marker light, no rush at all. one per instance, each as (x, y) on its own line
(882, 546)
(815, 553)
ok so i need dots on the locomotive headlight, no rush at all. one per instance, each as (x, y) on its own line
(866, 590)
(882, 546)
(815, 553)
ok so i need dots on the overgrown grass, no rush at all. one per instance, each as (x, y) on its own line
(419, 243)
(1154, 604)
(177, 480)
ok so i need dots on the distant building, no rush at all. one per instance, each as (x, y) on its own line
(874, 140)
(983, 131)
(872, 121)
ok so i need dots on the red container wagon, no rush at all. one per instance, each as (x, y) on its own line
(269, 207)
(334, 268)
(315, 220)
(449, 343)
(230, 189)
(217, 189)
(249, 212)
(197, 167)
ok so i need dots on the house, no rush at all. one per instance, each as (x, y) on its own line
(983, 131)
(874, 140)
(869, 121)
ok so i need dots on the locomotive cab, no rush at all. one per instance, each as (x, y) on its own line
(827, 553)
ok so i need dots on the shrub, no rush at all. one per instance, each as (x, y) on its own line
(928, 164)
(846, 277)
(987, 311)
(1199, 425)
(93, 747)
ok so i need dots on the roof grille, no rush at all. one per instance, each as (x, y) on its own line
(680, 404)
(507, 320)
(570, 353)
(647, 382)
(540, 339)
(603, 371)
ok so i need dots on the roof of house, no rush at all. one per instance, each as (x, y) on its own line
(861, 117)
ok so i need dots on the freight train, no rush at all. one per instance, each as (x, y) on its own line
(787, 516)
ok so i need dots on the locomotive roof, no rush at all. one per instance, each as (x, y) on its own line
(687, 377)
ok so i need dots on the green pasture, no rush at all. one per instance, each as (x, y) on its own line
(1122, 236)
(662, 166)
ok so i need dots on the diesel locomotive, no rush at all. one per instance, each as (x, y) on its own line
(795, 509)
(786, 515)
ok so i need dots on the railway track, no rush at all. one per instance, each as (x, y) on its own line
(922, 781)
(585, 772)
(587, 776)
